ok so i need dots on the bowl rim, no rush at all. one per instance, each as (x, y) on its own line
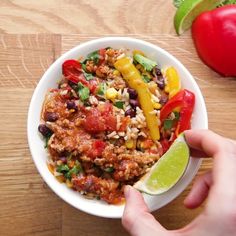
(65, 56)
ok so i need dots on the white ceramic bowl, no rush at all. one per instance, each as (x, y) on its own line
(49, 80)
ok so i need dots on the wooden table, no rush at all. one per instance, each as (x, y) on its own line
(33, 35)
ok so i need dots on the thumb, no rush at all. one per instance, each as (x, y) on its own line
(136, 218)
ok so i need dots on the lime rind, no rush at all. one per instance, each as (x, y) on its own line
(189, 10)
(167, 171)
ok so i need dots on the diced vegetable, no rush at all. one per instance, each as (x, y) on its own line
(83, 92)
(168, 123)
(94, 56)
(109, 169)
(129, 143)
(62, 168)
(101, 89)
(145, 78)
(88, 76)
(119, 104)
(97, 56)
(145, 62)
(185, 100)
(111, 93)
(133, 78)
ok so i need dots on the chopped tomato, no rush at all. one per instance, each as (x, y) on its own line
(124, 123)
(100, 119)
(93, 84)
(98, 147)
(110, 121)
(105, 108)
(165, 145)
(102, 53)
(147, 143)
(94, 122)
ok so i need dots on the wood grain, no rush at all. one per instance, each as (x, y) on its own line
(73, 16)
(28, 206)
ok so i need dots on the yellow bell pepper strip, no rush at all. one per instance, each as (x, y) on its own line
(173, 82)
(134, 80)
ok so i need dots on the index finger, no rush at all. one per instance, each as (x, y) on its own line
(223, 152)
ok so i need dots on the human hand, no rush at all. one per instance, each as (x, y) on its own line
(219, 185)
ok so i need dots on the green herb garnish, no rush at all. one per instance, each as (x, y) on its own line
(145, 62)
(145, 78)
(83, 66)
(168, 124)
(74, 171)
(94, 56)
(119, 104)
(47, 139)
(109, 169)
(63, 169)
(177, 115)
(88, 76)
(101, 89)
(83, 92)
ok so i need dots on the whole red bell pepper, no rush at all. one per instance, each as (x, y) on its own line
(214, 35)
(185, 101)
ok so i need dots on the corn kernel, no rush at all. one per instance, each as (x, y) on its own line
(111, 93)
(156, 105)
(116, 72)
(152, 87)
(129, 143)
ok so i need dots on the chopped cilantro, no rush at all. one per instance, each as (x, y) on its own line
(168, 124)
(83, 92)
(119, 104)
(145, 62)
(101, 89)
(109, 169)
(47, 139)
(74, 171)
(145, 78)
(63, 168)
(83, 66)
(88, 76)
(94, 56)
(177, 115)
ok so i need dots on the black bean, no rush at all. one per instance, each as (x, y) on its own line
(133, 103)
(132, 93)
(131, 112)
(71, 105)
(160, 82)
(163, 100)
(51, 116)
(44, 130)
(157, 71)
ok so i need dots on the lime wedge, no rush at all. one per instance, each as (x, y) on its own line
(167, 171)
(189, 10)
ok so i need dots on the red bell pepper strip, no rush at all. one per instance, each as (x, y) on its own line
(214, 35)
(72, 70)
(184, 100)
